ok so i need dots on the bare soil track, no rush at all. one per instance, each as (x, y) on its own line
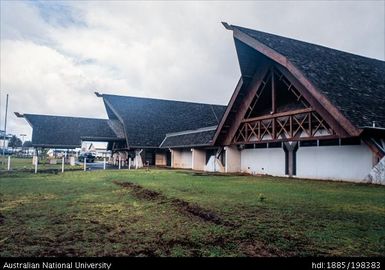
(183, 206)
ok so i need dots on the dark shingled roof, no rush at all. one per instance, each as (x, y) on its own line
(353, 83)
(200, 137)
(67, 132)
(147, 121)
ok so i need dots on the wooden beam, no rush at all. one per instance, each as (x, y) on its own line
(326, 137)
(229, 108)
(275, 115)
(373, 147)
(245, 103)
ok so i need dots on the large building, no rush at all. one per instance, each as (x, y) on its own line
(298, 110)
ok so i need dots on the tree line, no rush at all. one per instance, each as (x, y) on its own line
(15, 142)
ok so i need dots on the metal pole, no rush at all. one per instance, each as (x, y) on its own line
(22, 143)
(9, 163)
(5, 124)
(62, 164)
(85, 164)
(104, 163)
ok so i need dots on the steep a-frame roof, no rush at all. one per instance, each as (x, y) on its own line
(353, 83)
(68, 132)
(146, 121)
(348, 86)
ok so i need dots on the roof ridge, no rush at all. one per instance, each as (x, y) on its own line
(169, 100)
(306, 42)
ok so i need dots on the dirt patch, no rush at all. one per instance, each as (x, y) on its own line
(198, 211)
(183, 206)
(140, 192)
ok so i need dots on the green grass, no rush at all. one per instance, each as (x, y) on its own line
(86, 214)
(19, 164)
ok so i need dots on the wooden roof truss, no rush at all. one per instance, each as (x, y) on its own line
(303, 123)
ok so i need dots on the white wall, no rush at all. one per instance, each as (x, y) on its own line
(160, 159)
(181, 158)
(347, 162)
(198, 159)
(214, 165)
(233, 159)
(186, 159)
(263, 161)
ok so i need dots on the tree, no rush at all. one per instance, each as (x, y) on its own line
(14, 142)
(27, 144)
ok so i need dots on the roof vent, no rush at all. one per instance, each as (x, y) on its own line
(374, 123)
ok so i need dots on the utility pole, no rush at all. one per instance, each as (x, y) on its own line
(22, 143)
(5, 125)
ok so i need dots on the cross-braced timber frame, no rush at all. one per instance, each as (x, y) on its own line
(299, 124)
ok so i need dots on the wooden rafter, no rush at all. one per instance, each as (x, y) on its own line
(299, 124)
(329, 112)
(245, 102)
(258, 94)
(289, 126)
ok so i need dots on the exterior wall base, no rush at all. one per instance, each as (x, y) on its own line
(198, 159)
(233, 159)
(348, 162)
(181, 159)
(214, 165)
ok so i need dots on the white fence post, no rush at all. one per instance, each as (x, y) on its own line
(85, 164)
(62, 164)
(36, 162)
(9, 163)
(129, 163)
(120, 162)
(104, 163)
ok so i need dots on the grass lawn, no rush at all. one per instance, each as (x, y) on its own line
(20, 164)
(180, 213)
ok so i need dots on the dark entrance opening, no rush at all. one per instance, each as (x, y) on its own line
(149, 157)
(168, 158)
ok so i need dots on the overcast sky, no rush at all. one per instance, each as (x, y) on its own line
(54, 55)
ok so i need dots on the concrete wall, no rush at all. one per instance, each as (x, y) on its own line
(160, 159)
(198, 159)
(233, 159)
(346, 162)
(214, 165)
(138, 160)
(181, 158)
(263, 161)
